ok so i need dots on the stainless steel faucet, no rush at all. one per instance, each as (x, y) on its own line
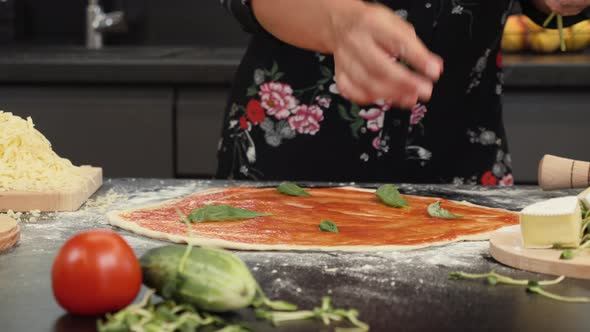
(98, 22)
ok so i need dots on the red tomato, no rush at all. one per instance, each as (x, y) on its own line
(95, 272)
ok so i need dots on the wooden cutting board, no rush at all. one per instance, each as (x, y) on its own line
(506, 247)
(53, 200)
(9, 232)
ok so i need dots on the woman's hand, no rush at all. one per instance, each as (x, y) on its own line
(366, 41)
(562, 7)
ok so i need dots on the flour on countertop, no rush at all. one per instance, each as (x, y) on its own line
(47, 229)
(121, 199)
(103, 202)
(510, 198)
(380, 269)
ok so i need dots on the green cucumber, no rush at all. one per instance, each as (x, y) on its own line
(210, 279)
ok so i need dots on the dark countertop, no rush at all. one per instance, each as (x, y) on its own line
(553, 70)
(198, 65)
(398, 291)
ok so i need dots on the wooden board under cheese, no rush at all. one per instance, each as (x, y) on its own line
(66, 200)
(506, 247)
(9, 232)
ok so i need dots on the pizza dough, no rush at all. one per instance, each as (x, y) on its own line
(365, 224)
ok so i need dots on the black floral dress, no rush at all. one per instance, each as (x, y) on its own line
(286, 120)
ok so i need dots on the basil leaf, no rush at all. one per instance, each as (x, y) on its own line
(389, 195)
(328, 226)
(221, 213)
(292, 189)
(434, 210)
(567, 254)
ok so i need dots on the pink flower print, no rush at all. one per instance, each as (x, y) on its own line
(507, 180)
(418, 112)
(377, 143)
(323, 101)
(374, 117)
(277, 99)
(306, 119)
(385, 106)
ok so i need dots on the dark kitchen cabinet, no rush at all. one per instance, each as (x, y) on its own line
(198, 121)
(153, 132)
(542, 122)
(128, 131)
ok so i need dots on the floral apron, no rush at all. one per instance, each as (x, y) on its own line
(286, 120)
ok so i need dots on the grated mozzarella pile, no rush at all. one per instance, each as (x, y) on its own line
(27, 161)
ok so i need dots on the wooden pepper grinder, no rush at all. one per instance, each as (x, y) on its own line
(562, 173)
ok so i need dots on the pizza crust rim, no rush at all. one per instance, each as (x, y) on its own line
(115, 219)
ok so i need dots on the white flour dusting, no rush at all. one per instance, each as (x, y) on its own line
(103, 202)
(388, 287)
(57, 227)
(511, 198)
(293, 274)
(46, 229)
(365, 270)
(121, 199)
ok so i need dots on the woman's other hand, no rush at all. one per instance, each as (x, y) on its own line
(367, 40)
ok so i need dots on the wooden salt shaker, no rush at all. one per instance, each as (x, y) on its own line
(562, 173)
(9, 232)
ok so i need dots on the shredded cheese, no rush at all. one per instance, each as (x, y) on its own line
(27, 161)
(103, 202)
(29, 217)
(14, 215)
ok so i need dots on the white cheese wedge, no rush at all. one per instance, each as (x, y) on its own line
(554, 221)
(584, 197)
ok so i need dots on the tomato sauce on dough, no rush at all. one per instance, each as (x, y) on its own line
(361, 218)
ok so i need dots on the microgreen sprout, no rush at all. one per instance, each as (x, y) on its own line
(570, 253)
(559, 27)
(532, 286)
(326, 313)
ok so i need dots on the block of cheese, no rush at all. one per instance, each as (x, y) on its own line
(584, 197)
(554, 221)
